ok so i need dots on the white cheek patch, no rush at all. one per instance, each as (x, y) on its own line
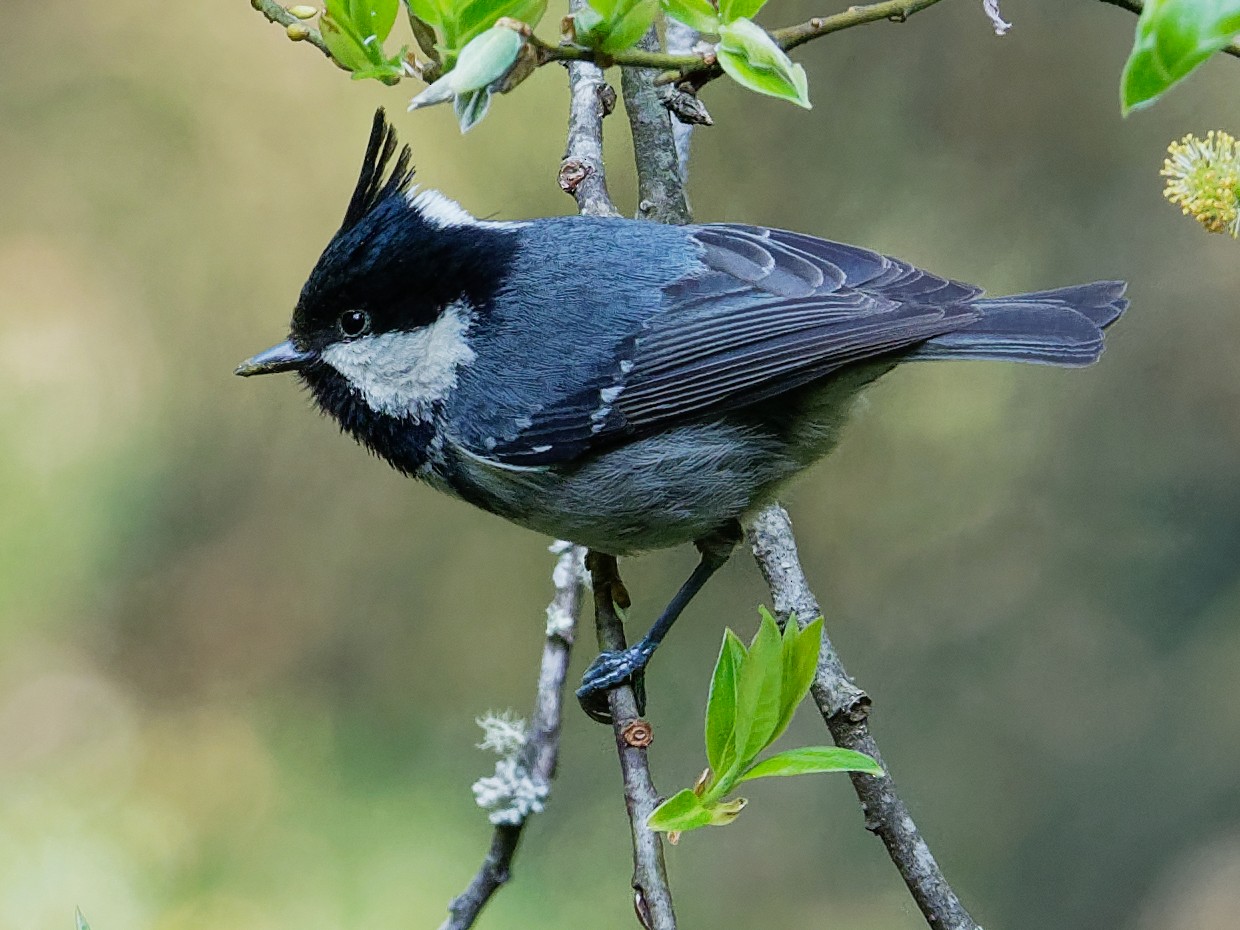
(403, 374)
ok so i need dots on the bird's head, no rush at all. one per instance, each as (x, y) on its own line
(383, 321)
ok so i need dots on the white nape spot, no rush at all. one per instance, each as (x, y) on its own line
(438, 209)
(446, 213)
(405, 373)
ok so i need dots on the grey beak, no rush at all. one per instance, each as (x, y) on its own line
(284, 357)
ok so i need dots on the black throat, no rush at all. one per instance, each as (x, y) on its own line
(408, 444)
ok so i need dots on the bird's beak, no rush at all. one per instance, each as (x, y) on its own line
(284, 357)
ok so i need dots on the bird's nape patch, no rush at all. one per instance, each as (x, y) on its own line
(375, 183)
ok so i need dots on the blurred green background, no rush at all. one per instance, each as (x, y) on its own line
(240, 659)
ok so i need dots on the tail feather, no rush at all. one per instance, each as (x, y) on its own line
(1057, 327)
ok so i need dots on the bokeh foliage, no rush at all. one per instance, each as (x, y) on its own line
(241, 659)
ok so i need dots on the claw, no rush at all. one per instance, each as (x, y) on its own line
(610, 670)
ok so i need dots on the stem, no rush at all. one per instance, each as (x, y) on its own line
(660, 185)
(653, 901)
(543, 748)
(845, 708)
(275, 13)
(895, 10)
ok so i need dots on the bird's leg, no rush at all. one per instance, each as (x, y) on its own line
(610, 669)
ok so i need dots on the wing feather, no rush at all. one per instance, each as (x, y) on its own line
(767, 311)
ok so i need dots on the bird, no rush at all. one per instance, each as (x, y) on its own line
(625, 385)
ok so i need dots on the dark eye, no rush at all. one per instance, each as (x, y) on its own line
(354, 323)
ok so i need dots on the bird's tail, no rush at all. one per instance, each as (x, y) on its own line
(1059, 327)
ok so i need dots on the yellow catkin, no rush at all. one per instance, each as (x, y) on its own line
(1203, 179)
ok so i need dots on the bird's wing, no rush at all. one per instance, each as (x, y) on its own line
(765, 312)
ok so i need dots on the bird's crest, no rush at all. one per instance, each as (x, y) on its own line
(375, 183)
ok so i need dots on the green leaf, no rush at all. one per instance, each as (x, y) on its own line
(1174, 37)
(614, 25)
(80, 920)
(477, 16)
(375, 18)
(390, 72)
(811, 759)
(471, 107)
(587, 22)
(682, 811)
(697, 14)
(632, 24)
(757, 693)
(800, 660)
(732, 10)
(721, 703)
(751, 58)
(429, 11)
(343, 44)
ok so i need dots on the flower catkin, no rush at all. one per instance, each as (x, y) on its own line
(1203, 179)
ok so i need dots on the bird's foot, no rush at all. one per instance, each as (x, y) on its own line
(610, 670)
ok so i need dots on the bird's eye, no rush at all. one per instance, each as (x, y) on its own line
(354, 323)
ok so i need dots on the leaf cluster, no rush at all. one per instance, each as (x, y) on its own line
(745, 51)
(475, 48)
(354, 32)
(753, 694)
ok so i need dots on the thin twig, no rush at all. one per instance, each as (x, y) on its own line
(276, 13)
(1136, 6)
(845, 708)
(652, 893)
(637, 57)
(896, 11)
(542, 748)
(660, 188)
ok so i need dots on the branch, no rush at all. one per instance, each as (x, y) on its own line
(653, 901)
(846, 709)
(582, 175)
(543, 746)
(279, 15)
(1136, 6)
(660, 186)
(581, 171)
